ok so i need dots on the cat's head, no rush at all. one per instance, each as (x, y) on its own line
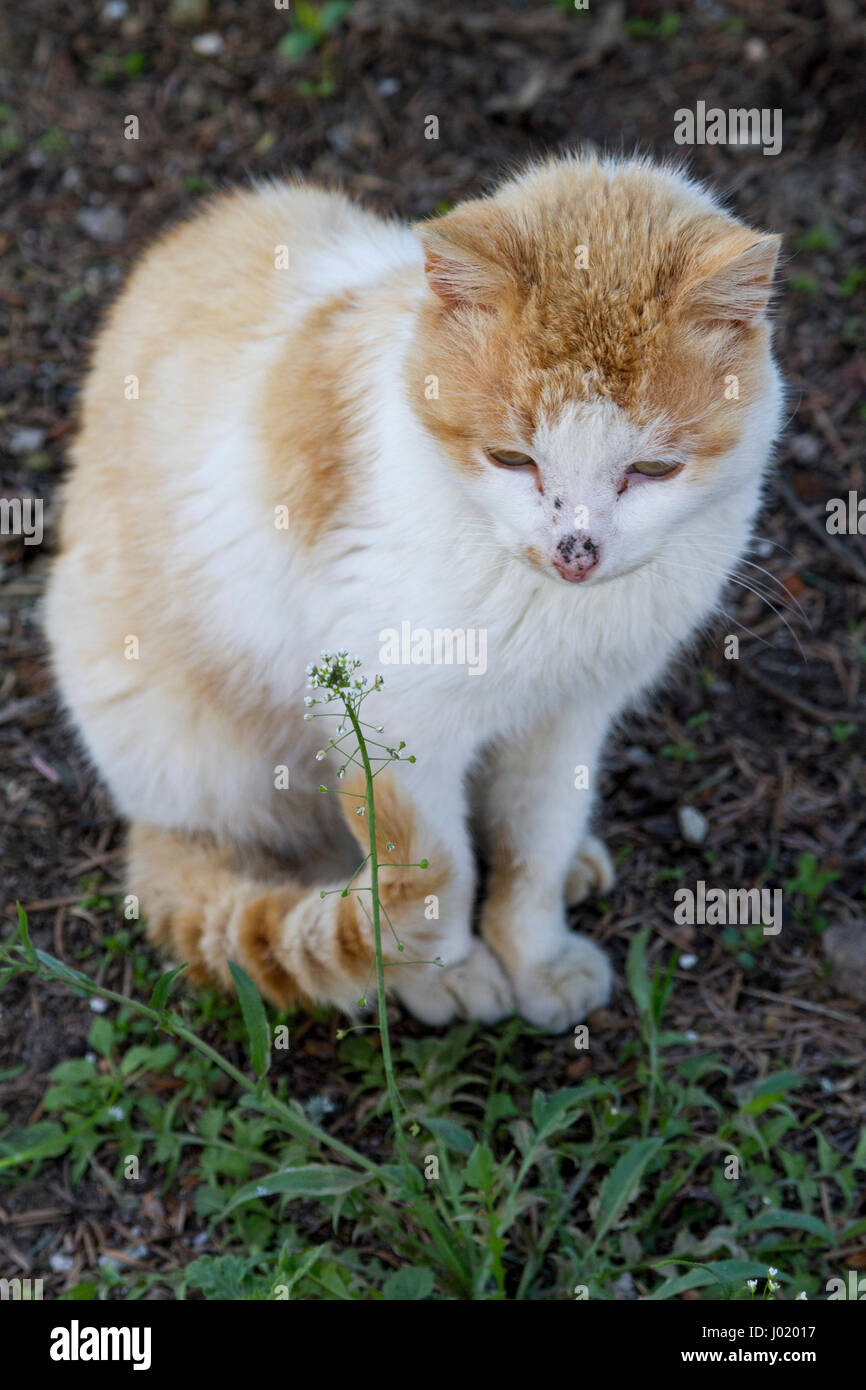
(593, 357)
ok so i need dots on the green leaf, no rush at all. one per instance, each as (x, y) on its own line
(331, 13)
(479, 1167)
(636, 970)
(550, 1113)
(65, 972)
(791, 1220)
(101, 1036)
(410, 1282)
(729, 1274)
(76, 1070)
(296, 44)
(451, 1135)
(144, 1058)
(859, 1159)
(42, 1140)
(24, 929)
(310, 1180)
(255, 1019)
(770, 1091)
(620, 1186)
(87, 1292)
(162, 987)
(303, 1267)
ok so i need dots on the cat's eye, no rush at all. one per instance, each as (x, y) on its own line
(510, 458)
(653, 468)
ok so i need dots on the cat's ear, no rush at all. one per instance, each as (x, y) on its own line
(462, 261)
(737, 284)
(458, 275)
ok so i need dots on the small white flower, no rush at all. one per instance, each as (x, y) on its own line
(98, 1006)
(115, 1111)
(801, 1297)
(320, 755)
(772, 1285)
(771, 1271)
(751, 1284)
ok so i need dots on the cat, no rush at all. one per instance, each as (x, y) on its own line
(544, 416)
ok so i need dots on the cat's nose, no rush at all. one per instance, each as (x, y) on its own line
(575, 556)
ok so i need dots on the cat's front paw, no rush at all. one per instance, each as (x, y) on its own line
(557, 993)
(591, 872)
(473, 988)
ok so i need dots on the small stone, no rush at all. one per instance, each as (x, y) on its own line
(806, 448)
(102, 224)
(624, 1287)
(638, 756)
(208, 45)
(26, 439)
(845, 949)
(693, 825)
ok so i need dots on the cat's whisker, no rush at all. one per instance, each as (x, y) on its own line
(734, 579)
(783, 591)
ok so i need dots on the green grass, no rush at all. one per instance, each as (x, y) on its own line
(576, 1192)
(667, 1177)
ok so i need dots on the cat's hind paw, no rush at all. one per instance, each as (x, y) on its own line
(473, 988)
(591, 872)
(557, 993)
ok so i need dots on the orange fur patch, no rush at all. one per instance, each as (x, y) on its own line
(528, 329)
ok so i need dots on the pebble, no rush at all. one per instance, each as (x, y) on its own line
(208, 45)
(637, 756)
(806, 448)
(26, 439)
(102, 224)
(693, 825)
(845, 949)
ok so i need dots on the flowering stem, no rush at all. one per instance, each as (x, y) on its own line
(387, 1059)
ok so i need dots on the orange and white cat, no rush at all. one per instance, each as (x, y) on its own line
(544, 417)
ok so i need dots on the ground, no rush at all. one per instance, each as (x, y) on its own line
(744, 772)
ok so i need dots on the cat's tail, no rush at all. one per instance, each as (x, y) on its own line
(203, 908)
